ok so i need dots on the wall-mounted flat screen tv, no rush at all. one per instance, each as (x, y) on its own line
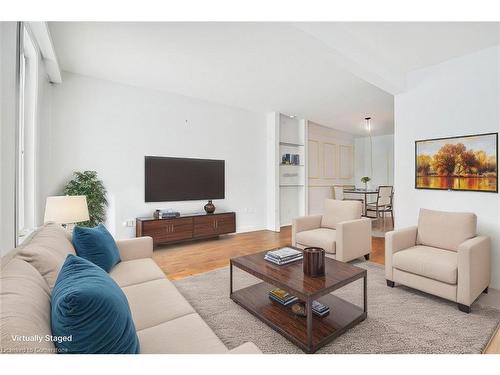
(179, 179)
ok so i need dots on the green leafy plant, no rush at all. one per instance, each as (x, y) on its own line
(86, 183)
(365, 181)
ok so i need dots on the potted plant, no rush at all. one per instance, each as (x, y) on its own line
(86, 183)
(365, 181)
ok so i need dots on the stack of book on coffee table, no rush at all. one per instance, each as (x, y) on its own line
(319, 309)
(283, 255)
(282, 297)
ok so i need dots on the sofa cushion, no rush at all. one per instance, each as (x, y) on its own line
(187, 334)
(136, 271)
(25, 309)
(321, 237)
(96, 245)
(431, 262)
(90, 309)
(155, 302)
(47, 250)
(458, 227)
(337, 211)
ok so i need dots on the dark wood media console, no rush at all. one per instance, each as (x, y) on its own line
(186, 227)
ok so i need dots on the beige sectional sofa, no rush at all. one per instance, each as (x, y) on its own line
(443, 256)
(164, 320)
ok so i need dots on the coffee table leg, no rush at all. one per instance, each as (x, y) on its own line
(230, 278)
(309, 323)
(365, 295)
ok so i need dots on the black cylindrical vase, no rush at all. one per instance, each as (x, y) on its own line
(314, 261)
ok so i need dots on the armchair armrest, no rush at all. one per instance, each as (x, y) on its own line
(474, 256)
(354, 239)
(304, 223)
(395, 241)
(135, 248)
(246, 348)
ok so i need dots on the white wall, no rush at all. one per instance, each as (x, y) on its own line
(325, 165)
(8, 55)
(458, 97)
(109, 127)
(383, 160)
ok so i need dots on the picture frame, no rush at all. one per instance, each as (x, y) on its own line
(458, 163)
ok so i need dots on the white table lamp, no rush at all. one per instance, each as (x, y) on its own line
(66, 209)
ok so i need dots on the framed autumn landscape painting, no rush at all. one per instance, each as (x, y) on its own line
(458, 163)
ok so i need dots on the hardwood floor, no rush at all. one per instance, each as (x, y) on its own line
(187, 259)
(493, 346)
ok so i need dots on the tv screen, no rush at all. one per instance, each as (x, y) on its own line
(178, 179)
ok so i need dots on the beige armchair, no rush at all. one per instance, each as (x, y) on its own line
(340, 231)
(443, 256)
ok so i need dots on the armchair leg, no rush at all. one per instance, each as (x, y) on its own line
(367, 257)
(390, 283)
(485, 291)
(464, 308)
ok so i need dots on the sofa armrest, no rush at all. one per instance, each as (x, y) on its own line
(301, 224)
(474, 257)
(135, 248)
(354, 239)
(246, 348)
(395, 241)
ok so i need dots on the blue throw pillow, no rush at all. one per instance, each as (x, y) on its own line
(90, 313)
(96, 245)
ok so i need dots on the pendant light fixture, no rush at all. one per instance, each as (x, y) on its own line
(368, 126)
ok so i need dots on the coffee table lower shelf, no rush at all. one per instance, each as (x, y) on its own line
(343, 315)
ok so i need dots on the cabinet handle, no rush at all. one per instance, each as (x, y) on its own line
(171, 228)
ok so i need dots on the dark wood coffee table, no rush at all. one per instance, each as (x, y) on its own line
(309, 333)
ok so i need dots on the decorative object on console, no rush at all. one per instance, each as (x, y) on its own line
(209, 207)
(156, 214)
(86, 183)
(365, 180)
(66, 210)
(458, 163)
(314, 261)
(169, 214)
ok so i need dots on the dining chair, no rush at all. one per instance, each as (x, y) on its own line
(383, 204)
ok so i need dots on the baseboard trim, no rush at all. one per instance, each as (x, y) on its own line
(248, 229)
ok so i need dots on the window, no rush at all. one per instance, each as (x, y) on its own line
(26, 147)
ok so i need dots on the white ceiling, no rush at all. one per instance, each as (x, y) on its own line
(385, 52)
(414, 45)
(318, 71)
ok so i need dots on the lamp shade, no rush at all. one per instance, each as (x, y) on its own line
(66, 209)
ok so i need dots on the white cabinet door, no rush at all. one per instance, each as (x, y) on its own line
(313, 159)
(330, 164)
(346, 162)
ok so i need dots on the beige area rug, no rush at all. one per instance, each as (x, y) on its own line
(400, 319)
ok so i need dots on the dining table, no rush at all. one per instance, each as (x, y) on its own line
(365, 193)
